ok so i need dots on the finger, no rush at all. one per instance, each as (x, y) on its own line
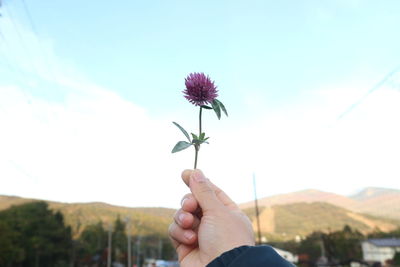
(186, 176)
(183, 236)
(203, 192)
(221, 195)
(189, 203)
(184, 219)
(181, 249)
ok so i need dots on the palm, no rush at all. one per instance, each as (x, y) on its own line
(192, 259)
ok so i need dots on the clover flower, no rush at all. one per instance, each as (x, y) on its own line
(200, 91)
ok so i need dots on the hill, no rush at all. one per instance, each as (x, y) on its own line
(378, 201)
(144, 221)
(374, 201)
(307, 196)
(282, 216)
(283, 222)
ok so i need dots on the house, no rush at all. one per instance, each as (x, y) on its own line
(380, 250)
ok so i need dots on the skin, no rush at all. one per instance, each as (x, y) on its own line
(208, 224)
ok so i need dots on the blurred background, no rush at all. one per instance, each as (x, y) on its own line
(89, 90)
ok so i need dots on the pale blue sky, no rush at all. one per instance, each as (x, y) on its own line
(280, 66)
(279, 49)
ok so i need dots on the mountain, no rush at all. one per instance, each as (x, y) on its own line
(144, 221)
(374, 201)
(282, 222)
(307, 196)
(378, 201)
(374, 193)
(281, 217)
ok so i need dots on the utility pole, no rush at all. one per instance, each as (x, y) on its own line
(257, 212)
(160, 247)
(128, 226)
(138, 241)
(109, 245)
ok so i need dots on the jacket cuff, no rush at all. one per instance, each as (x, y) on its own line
(228, 257)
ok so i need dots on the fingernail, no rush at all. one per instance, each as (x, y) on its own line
(199, 177)
(183, 201)
(188, 235)
(181, 217)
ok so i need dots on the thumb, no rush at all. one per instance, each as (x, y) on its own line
(203, 191)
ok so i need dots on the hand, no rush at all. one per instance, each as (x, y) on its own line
(208, 224)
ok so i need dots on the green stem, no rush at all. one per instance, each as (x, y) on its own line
(197, 147)
(195, 156)
(200, 113)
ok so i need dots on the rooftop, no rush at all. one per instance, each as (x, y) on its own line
(385, 242)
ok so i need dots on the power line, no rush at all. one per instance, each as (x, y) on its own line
(28, 14)
(19, 76)
(21, 39)
(22, 170)
(373, 89)
(34, 29)
(7, 56)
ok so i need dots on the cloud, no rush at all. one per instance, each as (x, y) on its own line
(84, 144)
(87, 143)
(93, 146)
(96, 146)
(306, 146)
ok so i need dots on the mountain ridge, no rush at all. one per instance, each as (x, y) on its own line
(382, 202)
(282, 216)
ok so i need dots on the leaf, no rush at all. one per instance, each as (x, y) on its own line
(183, 130)
(196, 142)
(199, 142)
(181, 145)
(222, 106)
(206, 107)
(202, 135)
(216, 108)
(194, 136)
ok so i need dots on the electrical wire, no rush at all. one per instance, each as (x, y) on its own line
(373, 89)
(34, 29)
(21, 39)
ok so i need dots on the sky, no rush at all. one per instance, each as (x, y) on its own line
(88, 91)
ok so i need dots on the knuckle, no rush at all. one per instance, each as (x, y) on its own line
(205, 190)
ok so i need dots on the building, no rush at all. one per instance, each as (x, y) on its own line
(380, 250)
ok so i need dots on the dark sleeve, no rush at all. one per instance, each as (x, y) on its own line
(245, 256)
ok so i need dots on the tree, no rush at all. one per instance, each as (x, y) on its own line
(343, 245)
(120, 241)
(396, 259)
(311, 246)
(8, 250)
(92, 242)
(36, 236)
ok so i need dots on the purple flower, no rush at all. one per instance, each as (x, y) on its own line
(200, 90)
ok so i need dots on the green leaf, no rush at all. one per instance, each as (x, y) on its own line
(183, 131)
(199, 142)
(222, 106)
(194, 136)
(206, 107)
(196, 142)
(181, 145)
(216, 108)
(202, 135)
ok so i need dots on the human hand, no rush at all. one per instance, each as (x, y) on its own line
(208, 224)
